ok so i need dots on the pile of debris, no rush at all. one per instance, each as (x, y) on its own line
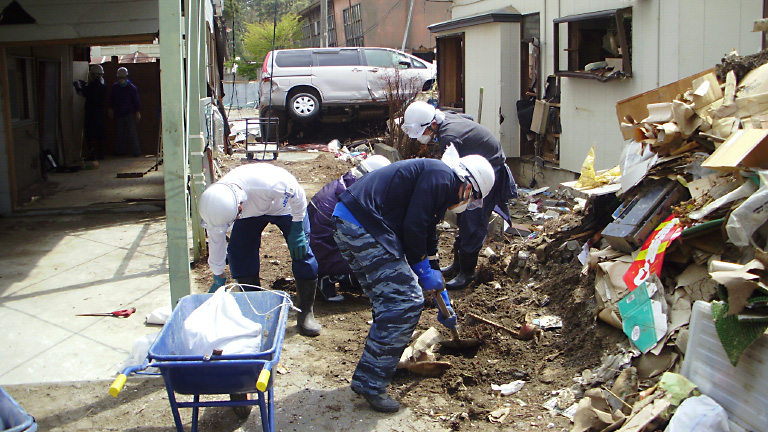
(682, 220)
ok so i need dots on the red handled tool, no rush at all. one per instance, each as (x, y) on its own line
(123, 313)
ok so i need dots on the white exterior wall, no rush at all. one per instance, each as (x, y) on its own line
(672, 39)
(494, 48)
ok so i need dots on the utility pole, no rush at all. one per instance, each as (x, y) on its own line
(323, 23)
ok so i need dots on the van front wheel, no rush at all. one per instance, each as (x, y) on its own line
(304, 106)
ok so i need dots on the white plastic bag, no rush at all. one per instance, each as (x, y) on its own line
(218, 323)
(139, 352)
(700, 414)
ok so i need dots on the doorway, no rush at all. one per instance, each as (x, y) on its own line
(50, 103)
(450, 71)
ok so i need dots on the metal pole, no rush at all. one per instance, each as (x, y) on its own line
(407, 27)
(323, 23)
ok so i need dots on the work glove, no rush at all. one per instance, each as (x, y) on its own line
(429, 278)
(448, 322)
(297, 241)
(138, 116)
(218, 282)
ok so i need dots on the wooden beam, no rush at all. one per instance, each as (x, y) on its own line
(174, 147)
(196, 141)
(8, 129)
(91, 41)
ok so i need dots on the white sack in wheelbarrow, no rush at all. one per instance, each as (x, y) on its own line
(218, 323)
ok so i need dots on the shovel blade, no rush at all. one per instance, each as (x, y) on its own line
(461, 344)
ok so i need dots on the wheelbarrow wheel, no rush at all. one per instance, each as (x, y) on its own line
(242, 411)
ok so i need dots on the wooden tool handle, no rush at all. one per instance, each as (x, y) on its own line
(444, 310)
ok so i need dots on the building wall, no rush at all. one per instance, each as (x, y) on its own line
(492, 60)
(384, 22)
(671, 40)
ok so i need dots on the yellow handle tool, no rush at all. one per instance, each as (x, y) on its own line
(117, 385)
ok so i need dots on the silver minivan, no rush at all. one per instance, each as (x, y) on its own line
(336, 84)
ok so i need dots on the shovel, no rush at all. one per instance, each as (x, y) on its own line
(457, 342)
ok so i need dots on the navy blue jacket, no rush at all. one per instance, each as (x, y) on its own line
(401, 204)
(472, 138)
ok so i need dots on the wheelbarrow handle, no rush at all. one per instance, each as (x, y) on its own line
(119, 382)
(117, 385)
(263, 381)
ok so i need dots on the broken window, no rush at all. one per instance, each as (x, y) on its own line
(20, 89)
(599, 45)
(353, 26)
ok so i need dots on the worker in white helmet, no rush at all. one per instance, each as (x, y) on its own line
(427, 124)
(385, 224)
(247, 199)
(332, 269)
(125, 108)
(95, 92)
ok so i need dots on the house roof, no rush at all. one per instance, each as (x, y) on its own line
(508, 14)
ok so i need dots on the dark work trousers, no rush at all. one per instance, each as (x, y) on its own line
(126, 135)
(396, 302)
(245, 243)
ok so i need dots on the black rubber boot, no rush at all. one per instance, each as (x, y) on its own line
(454, 266)
(249, 280)
(305, 300)
(467, 264)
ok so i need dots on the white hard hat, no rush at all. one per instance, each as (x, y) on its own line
(374, 162)
(97, 69)
(122, 72)
(219, 206)
(481, 174)
(417, 117)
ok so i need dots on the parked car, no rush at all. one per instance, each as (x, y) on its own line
(336, 84)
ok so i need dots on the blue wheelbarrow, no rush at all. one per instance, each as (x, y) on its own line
(13, 418)
(219, 374)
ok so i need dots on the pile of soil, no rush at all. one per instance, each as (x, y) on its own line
(523, 280)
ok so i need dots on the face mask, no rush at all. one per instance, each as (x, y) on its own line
(461, 207)
(424, 139)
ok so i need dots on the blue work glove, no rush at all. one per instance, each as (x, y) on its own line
(218, 282)
(297, 241)
(448, 322)
(429, 278)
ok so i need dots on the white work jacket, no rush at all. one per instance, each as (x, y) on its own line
(264, 190)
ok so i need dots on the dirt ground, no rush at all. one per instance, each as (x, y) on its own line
(312, 381)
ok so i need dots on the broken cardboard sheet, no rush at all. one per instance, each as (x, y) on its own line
(643, 314)
(419, 358)
(697, 282)
(650, 258)
(743, 191)
(706, 186)
(651, 365)
(706, 90)
(740, 283)
(750, 215)
(609, 282)
(742, 149)
(594, 413)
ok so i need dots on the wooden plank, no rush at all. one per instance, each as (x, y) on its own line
(174, 148)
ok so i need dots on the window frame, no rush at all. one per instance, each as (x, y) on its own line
(619, 15)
